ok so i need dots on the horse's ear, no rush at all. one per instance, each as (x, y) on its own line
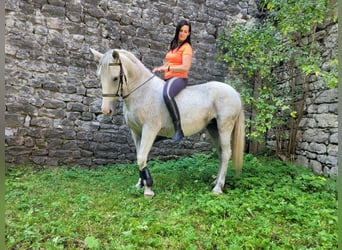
(97, 55)
(115, 54)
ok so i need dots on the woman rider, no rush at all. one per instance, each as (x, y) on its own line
(177, 65)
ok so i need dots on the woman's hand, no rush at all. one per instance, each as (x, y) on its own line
(160, 69)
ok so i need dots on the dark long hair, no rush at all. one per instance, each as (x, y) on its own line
(174, 43)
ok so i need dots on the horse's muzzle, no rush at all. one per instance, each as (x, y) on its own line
(107, 111)
(107, 108)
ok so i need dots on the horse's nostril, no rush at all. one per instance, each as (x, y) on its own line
(106, 111)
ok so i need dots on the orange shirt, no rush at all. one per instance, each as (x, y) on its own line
(175, 57)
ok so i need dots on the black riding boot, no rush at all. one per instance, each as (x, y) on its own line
(174, 112)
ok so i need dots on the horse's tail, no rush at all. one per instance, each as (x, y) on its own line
(238, 142)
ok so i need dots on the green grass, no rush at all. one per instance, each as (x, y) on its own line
(274, 205)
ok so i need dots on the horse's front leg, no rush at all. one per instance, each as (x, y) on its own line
(146, 142)
(137, 140)
(145, 178)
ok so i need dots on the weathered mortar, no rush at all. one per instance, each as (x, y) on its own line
(52, 94)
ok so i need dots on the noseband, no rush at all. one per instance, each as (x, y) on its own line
(122, 76)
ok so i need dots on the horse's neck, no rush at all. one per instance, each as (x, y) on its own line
(137, 74)
(135, 69)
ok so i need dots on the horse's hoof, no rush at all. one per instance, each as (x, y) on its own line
(148, 196)
(148, 193)
(217, 191)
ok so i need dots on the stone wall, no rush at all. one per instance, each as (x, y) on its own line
(318, 146)
(318, 133)
(52, 94)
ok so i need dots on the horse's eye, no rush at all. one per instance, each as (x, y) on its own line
(115, 79)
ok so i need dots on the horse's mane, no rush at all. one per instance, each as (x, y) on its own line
(133, 59)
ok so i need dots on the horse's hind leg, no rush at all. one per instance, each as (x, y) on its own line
(225, 144)
(215, 137)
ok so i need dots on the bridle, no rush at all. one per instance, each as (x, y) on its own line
(122, 79)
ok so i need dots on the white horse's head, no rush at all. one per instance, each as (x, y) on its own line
(112, 77)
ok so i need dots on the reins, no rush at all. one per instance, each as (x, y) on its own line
(122, 76)
(125, 96)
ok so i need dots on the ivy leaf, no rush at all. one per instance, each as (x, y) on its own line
(92, 242)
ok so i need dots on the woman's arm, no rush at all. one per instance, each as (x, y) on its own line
(185, 66)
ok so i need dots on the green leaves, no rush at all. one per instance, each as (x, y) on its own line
(248, 49)
(297, 16)
(92, 243)
(269, 60)
(330, 77)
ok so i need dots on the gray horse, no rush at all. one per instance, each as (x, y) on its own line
(214, 105)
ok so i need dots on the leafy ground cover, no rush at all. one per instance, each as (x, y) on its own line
(273, 205)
